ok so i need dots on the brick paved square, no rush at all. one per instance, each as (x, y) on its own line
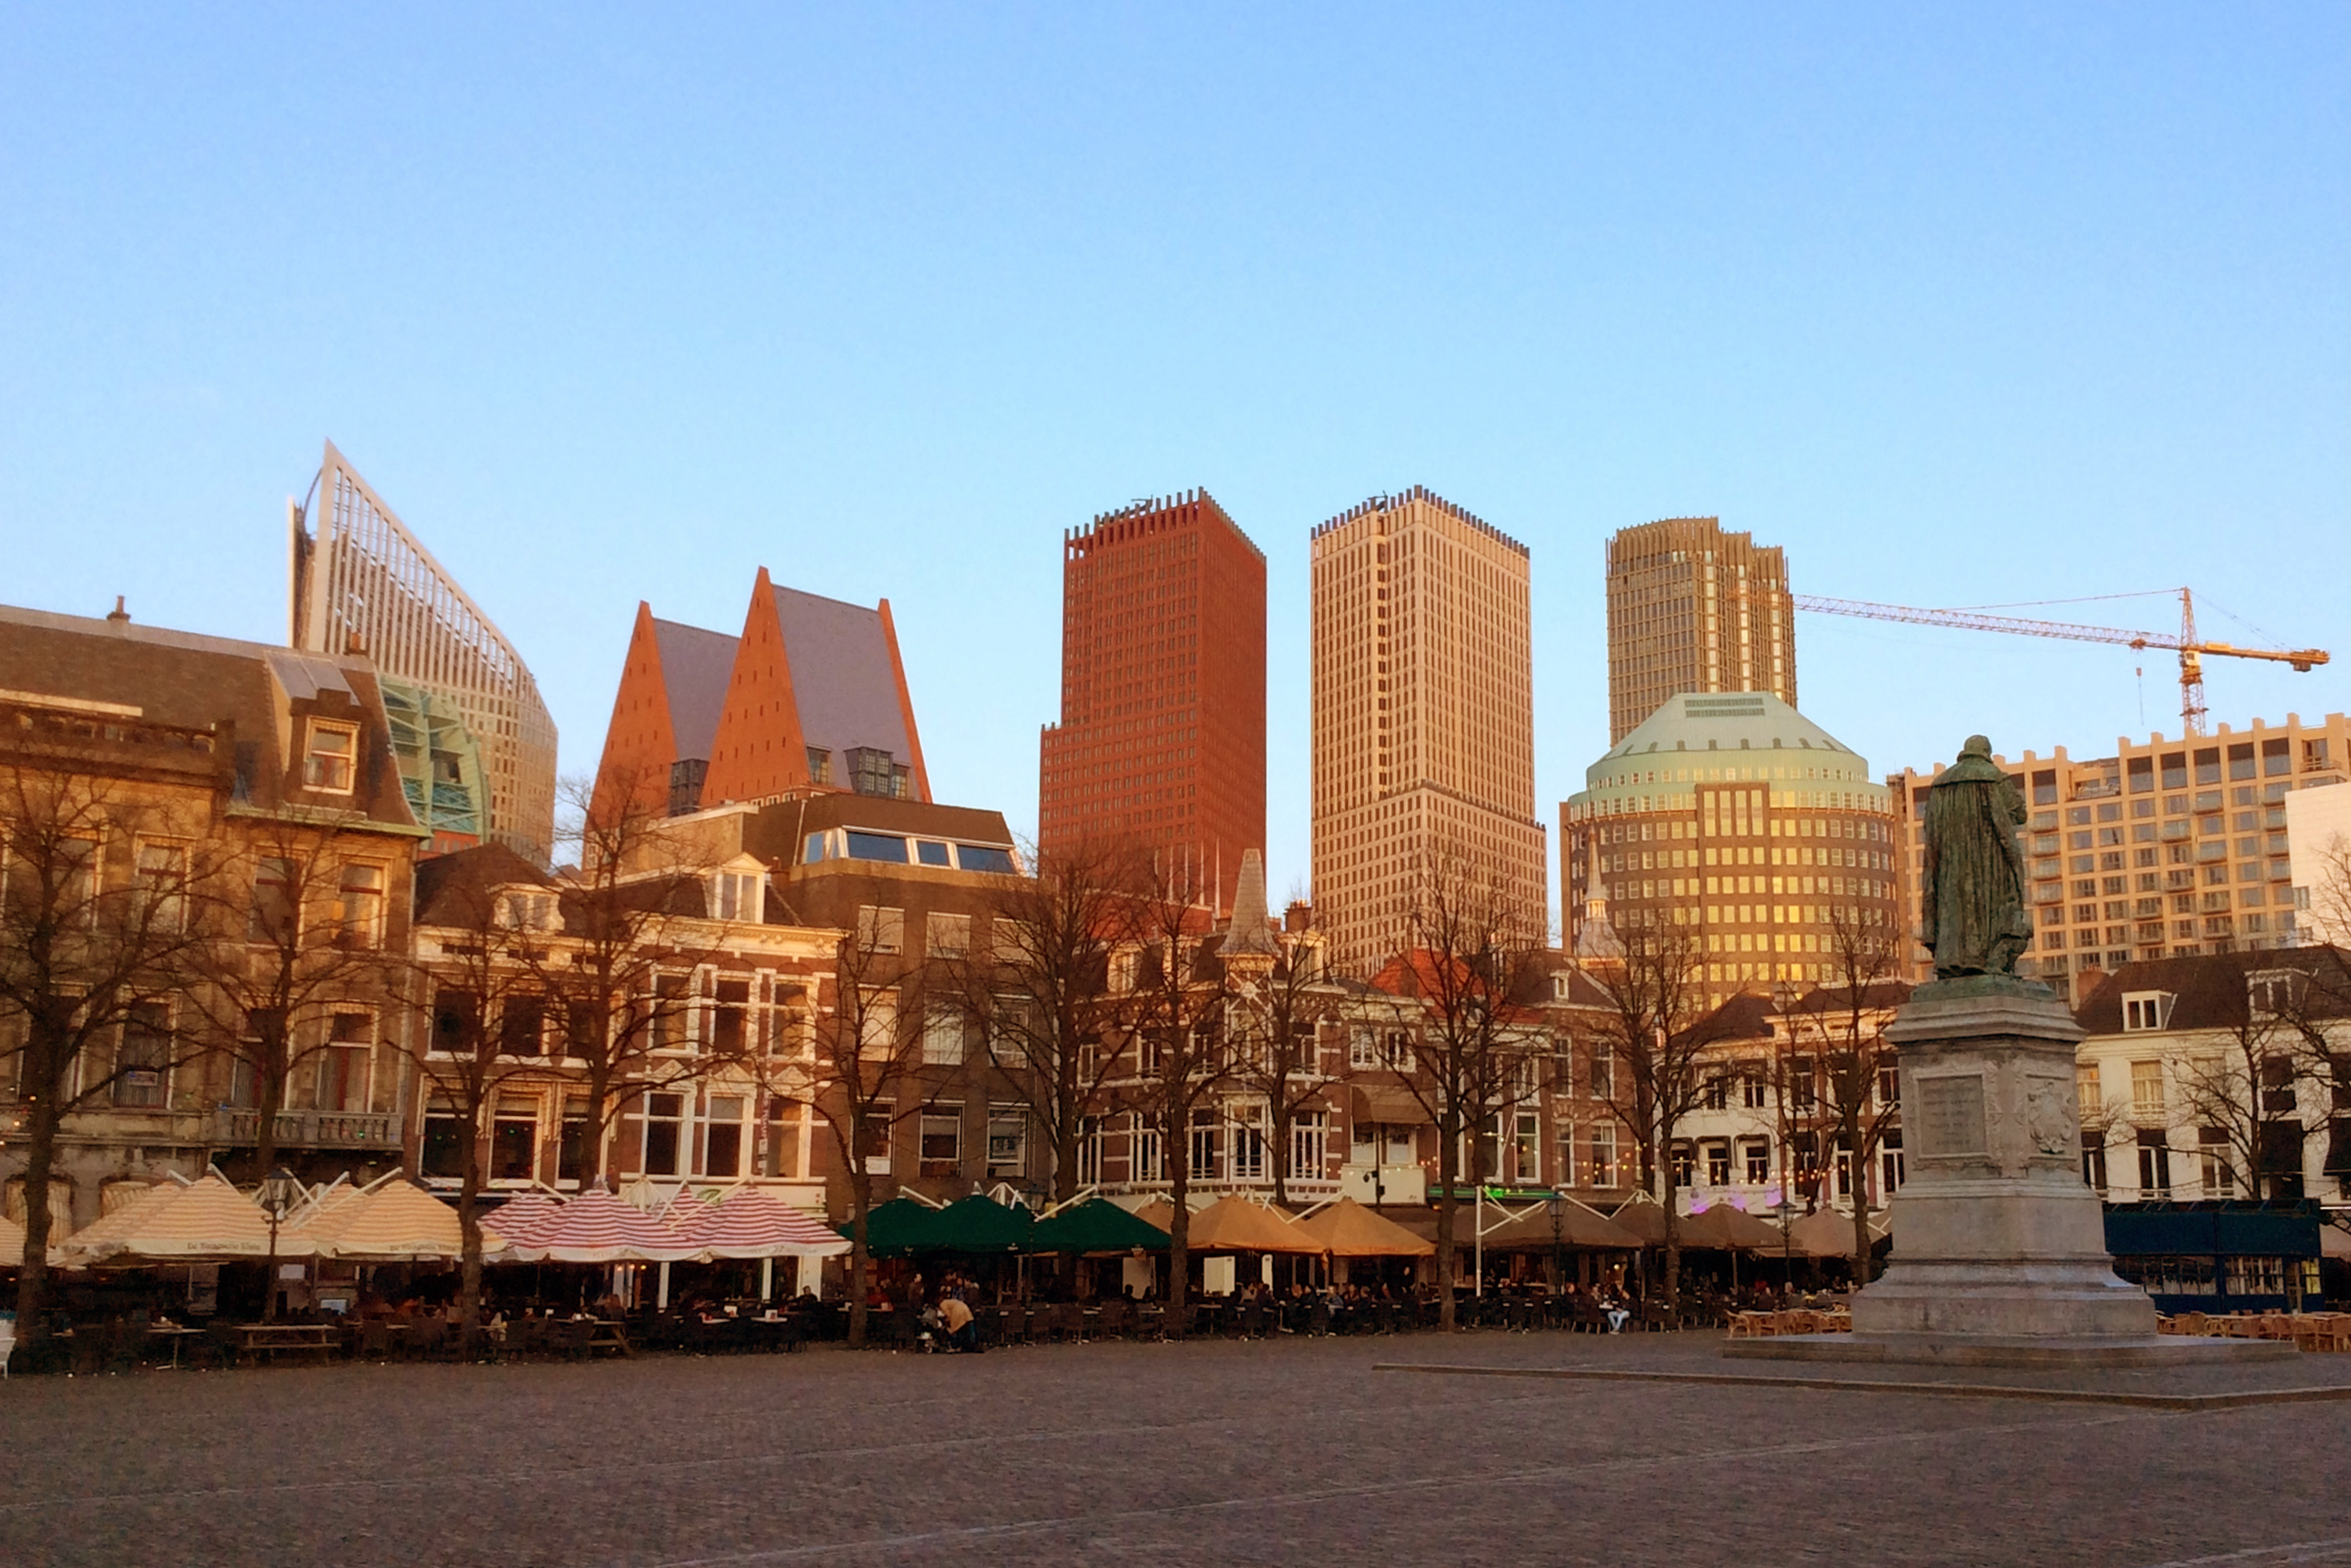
(1213, 1453)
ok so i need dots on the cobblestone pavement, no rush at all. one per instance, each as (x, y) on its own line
(1289, 1452)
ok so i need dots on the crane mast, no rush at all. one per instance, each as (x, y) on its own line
(2186, 644)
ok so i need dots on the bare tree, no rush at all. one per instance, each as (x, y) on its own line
(1181, 1057)
(2312, 1007)
(1040, 987)
(862, 1077)
(1840, 1026)
(616, 1000)
(1279, 1049)
(97, 932)
(294, 923)
(2239, 1082)
(478, 965)
(1657, 1028)
(1470, 1057)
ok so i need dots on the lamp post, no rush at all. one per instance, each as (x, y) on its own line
(279, 1191)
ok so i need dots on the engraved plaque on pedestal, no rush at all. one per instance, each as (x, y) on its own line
(1951, 1116)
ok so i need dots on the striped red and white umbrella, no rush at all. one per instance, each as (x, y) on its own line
(684, 1210)
(749, 1223)
(523, 1219)
(597, 1228)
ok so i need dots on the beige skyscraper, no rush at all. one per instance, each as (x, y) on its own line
(1692, 609)
(1423, 718)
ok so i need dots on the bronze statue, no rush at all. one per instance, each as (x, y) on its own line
(1973, 892)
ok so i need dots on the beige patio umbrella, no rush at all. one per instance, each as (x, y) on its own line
(1235, 1224)
(103, 1236)
(398, 1222)
(208, 1220)
(1729, 1228)
(323, 1215)
(1347, 1229)
(1580, 1226)
(1825, 1233)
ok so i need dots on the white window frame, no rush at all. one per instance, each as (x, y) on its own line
(312, 756)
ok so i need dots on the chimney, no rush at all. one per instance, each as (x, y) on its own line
(118, 616)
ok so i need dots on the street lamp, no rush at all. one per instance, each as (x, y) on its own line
(279, 1191)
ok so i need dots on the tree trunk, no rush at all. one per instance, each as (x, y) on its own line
(1179, 1226)
(1860, 1236)
(861, 1200)
(1280, 1131)
(269, 1100)
(591, 1136)
(33, 1278)
(1447, 1211)
(469, 1232)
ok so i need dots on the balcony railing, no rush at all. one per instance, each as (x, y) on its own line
(310, 1129)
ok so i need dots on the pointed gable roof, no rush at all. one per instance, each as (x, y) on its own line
(810, 672)
(696, 667)
(673, 685)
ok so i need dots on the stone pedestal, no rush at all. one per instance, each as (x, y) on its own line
(1996, 1232)
(2000, 1246)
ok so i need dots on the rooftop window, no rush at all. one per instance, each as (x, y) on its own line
(2146, 1009)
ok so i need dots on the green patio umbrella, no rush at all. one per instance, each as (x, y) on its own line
(1096, 1225)
(980, 1224)
(899, 1227)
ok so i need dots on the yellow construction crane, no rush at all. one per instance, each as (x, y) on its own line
(2191, 650)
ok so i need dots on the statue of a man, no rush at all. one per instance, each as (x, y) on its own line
(1974, 873)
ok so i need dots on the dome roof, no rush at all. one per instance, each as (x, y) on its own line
(1701, 737)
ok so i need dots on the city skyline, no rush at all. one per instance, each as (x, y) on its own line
(1973, 328)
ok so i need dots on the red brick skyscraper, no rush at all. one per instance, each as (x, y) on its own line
(1161, 738)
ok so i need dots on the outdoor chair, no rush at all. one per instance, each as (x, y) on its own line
(129, 1344)
(1248, 1322)
(567, 1337)
(1318, 1320)
(1114, 1322)
(7, 1344)
(90, 1347)
(1070, 1322)
(1041, 1322)
(428, 1339)
(222, 1345)
(1655, 1317)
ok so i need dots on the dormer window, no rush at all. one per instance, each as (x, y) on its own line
(735, 895)
(2146, 1011)
(1562, 987)
(326, 761)
(2273, 991)
(526, 911)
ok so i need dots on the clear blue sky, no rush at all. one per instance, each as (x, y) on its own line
(1991, 305)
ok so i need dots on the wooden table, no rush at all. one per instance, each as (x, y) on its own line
(175, 1333)
(320, 1340)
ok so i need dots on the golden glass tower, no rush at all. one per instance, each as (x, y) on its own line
(1692, 609)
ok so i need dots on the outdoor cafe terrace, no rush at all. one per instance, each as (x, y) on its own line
(370, 1273)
